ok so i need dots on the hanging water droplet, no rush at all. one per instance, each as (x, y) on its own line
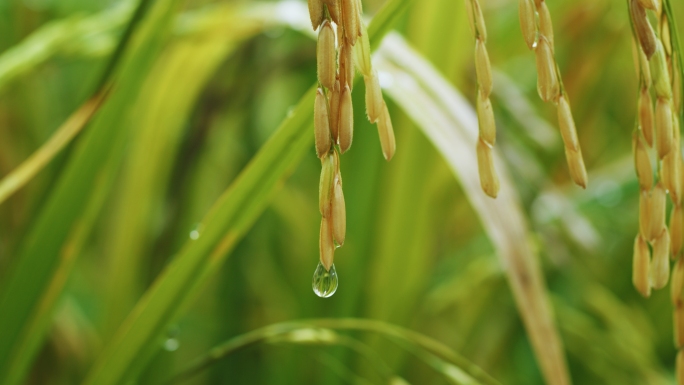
(324, 282)
(195, 233)
(171, 344)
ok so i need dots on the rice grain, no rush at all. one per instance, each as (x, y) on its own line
(374, 100)
(642, 163)
(485, 116)
(489, 181)
(346, 125)
(339, 215)
(528, 22)
(483, 68)
(547, 79)
(326, 54)
(660, 269)
(663, 127)
(386, 133)
(321, 124)
(646, 116)
(643, 29)
(641, 267)
(326, 244)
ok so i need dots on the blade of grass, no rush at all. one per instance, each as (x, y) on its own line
(450, 122)
(166, 102)
(55, 37)
(224, 225)
(38, 259)
(33, 333)
(205, 56)
(63, 136)
(441, 357)
(405, 223)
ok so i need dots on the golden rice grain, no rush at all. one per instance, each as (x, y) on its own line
(677, 90)
(677, 282)
(643, 29)
(678, 324)
(547, 78)
(386, 133)
(469, 13)
(648, 4)
(478, 20)
(326, 54)
(671, 176)
(321, 124)
(374, 101)
(360, 27)
(646, 116)
(677, 230)
(657, 212)
(645, 214)
(346, 55)
(335, 112)
(316, 13)
(663, 127)
(325, 185)
(545, 24)
(528, 22)
(642, 162)
(362, 54)
(326, 244)
(567, 124)
(665, 36)
(346, 125)
(350, 20)
(339, 216)
(488, 177)
(334, 10)
(483, 68)
(660, 268)
(660, 73)
(645, 67)
(485, 116)
(578, 172)
(641, 267)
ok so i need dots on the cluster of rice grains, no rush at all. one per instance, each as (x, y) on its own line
(537, 29)
(659, 71)
(342, 45)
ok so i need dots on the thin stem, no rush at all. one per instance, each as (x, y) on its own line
(387, 330)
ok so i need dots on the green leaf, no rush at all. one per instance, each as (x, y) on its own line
(38, 260)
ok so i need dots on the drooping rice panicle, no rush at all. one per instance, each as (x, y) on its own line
(537, 30)
(342, 46)
(659, 68)
(485, 115)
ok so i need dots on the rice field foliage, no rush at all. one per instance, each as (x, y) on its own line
(159, 196)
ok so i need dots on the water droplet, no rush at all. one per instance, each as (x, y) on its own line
(195, 233)
(171, 344)
(324, 282)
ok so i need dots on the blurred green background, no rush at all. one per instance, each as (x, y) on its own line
(213, 88)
